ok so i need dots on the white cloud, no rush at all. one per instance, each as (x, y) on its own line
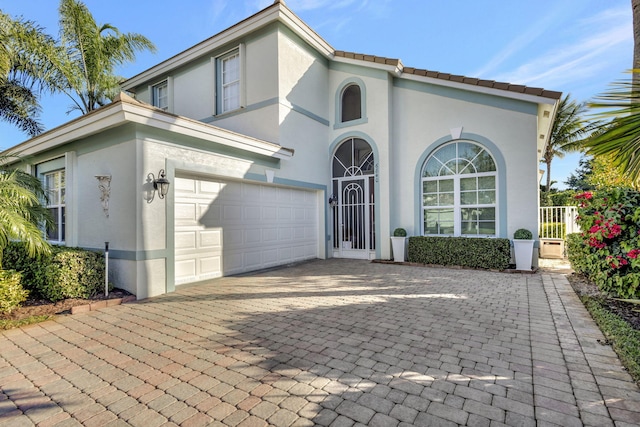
(523, 40)
(583, 58)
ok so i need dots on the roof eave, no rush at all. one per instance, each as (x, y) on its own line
(120, 113)
(522, 96)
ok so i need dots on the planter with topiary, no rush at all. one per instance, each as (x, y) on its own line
(523, 249)
(398, 243)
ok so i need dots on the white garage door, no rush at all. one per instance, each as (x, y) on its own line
(229, 227)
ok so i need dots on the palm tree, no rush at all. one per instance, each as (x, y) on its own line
(619, 138)
(566, 134)
(21, 212)
(88, 55)
(635, 9)
(24, 72)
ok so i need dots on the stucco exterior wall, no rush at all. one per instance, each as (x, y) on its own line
(303, 109)
(95, 227)
(375, 128)
(193, 90)
(424, 116)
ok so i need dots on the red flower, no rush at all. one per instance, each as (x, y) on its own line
(633, 253)
(586, 195)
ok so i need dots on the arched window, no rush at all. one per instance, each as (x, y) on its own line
(351, 103)
(459, 191)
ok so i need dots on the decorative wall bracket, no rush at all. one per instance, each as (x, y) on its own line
(104, 185)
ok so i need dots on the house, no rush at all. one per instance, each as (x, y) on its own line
(278, 148)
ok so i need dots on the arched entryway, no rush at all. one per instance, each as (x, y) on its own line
(353, 200)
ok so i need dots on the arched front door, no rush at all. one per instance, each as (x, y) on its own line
(353, 192)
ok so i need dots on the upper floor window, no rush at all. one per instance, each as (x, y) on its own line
(54, 184)
(228, 84)
(351, 103)
(160, 95)
(459, 191)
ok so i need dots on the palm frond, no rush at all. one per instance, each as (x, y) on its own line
(619, 136)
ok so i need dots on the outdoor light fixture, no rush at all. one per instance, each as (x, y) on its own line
(333, 201)
(161, 185)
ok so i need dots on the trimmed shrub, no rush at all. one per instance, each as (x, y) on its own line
(608, 249)
(462, 251)
(399, 232)
(74, 273)
(523, 234)
(33, 270)
(577, 252)
(66, 273)
(11, 292)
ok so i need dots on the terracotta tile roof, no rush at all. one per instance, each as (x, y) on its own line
(452, 77)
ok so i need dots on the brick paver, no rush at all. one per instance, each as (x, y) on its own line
(335, 342)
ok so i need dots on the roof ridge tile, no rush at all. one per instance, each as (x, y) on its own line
(474, 81)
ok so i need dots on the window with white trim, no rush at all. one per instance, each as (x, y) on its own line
(351, 103)
(54, 184)
(459, 191)
(228, 82)
(160, 95)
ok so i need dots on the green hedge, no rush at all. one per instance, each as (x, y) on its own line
(462, 251)
(66, 273)
(12, 293)
(607, 250)
(578, 253)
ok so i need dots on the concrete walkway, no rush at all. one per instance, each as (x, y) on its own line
(331, 343)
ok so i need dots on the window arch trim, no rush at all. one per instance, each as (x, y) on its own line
(338, 123)
(501, 205)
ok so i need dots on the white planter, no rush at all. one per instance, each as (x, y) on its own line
(398, 244)
(523, 251)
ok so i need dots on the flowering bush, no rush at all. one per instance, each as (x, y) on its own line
(608, 249)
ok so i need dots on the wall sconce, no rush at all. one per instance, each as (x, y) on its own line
(161, 185)
(333, 201)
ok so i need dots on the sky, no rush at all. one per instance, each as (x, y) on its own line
(573, 46)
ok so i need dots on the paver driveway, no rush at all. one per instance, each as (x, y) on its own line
(335, 342)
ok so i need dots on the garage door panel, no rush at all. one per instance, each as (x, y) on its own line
(210, 265)
(228, 227)
(299, 233)
(209, 187)
(185, 240)
(268, 194)
(252, 213)
(186, 269)
(184, 186)
(231, 191)
(284, 253)
(284, 195)
(251, 191)
(284, 233)
(185, 213)
(252, 236)
(270, 257)
(253, 259)
(299, 214)
(284, 214)
(232, 262)
(269, 213)
(269, 234)
(210, 239)
(232, 213)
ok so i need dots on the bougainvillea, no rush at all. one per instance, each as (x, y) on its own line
(610, 240)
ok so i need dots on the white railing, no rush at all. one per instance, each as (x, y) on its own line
(558, 221)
